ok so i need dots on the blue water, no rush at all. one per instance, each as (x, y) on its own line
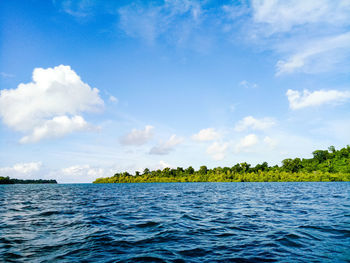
(176, 222)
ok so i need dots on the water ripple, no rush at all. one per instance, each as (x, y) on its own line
(194, 222)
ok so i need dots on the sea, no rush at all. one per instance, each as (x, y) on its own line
(176, 222)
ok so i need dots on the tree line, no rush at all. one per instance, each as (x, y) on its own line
(8, 180)
(325, 165)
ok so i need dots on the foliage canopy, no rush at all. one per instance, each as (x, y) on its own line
(7, 180)
(326, 165)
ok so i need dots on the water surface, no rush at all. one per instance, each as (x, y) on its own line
(176, 222)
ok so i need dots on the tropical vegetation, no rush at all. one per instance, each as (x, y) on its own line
(8, 180)
(325, 165)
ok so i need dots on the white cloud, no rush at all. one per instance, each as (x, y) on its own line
(82, 174)
(250, 122)
(247, 142)
(56, 128)
(43, 107)
(163, 165)
(6, 75)
(166, 147)
(86, 173)
(77, 8)
(217, 150)
(247, 85)
(318, 56)
(270, 142)
(21, 170)
(312, 36)
(156, 166)
(283, 16)
(273, 23)
(208, 134)
(176, 20)
(298, 100)
(72, 174)
(138, 137)
(113, 99)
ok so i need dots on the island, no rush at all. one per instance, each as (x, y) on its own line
(8, 180)
(325, 166)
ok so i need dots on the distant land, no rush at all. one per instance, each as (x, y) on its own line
(8, 180)
(325, 166)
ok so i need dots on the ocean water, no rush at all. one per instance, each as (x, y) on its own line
(176, 222)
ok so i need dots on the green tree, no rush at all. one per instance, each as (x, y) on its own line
(189, 170)
(320, 155)
(331, 149)
(332, 165)
(292, 165)
(203, 170)
(245, 167)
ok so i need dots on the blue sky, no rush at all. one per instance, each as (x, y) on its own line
(89, 88)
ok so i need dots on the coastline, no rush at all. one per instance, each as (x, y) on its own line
(249, 177)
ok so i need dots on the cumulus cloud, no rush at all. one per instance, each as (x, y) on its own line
(166, 147)
(247, 142)
(138, 137)
(55, 128)
(71, 174)
(217, 150)
(82, 174)
(298, 100)
(21, 170)
(208, 134)
(250, 122)
(50, 105)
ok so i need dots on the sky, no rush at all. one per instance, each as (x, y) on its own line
(90, 88)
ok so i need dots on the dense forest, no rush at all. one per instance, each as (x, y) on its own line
(7, 180)
(326, 165)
